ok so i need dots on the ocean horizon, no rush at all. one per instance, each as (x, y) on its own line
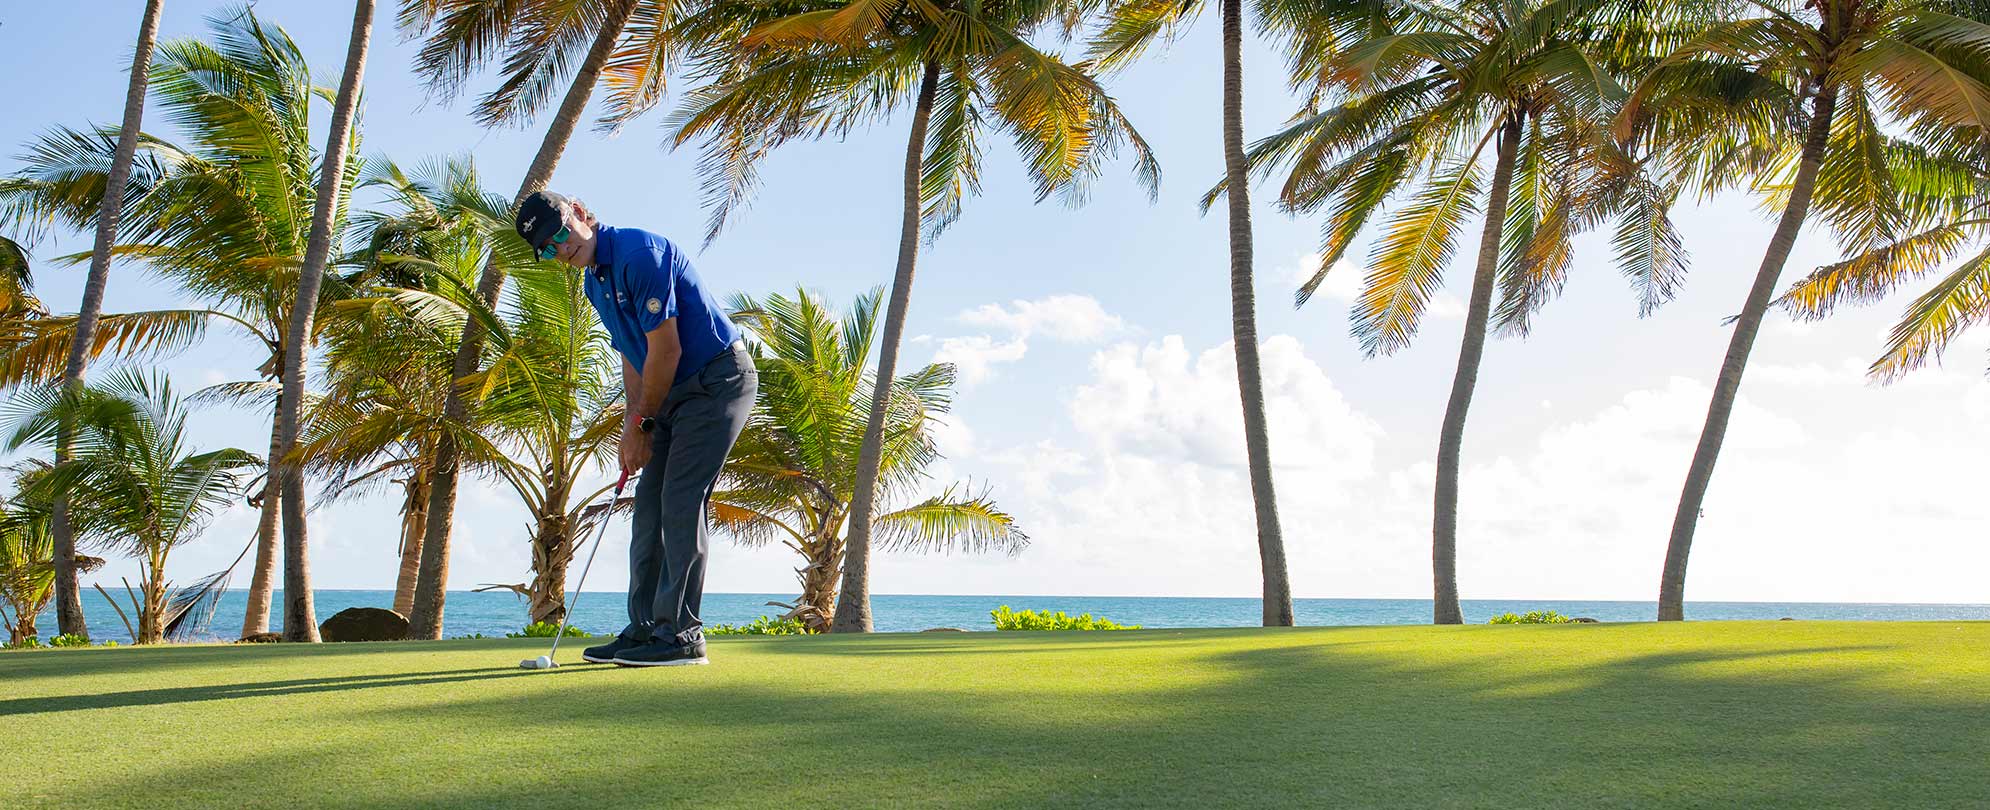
(496, 613)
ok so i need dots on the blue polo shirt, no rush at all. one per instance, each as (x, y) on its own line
(639, 280)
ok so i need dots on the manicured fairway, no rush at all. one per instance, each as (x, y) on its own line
(1789, 714)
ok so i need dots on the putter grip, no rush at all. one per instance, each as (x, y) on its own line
(619, 482)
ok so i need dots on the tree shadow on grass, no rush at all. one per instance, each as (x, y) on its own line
(1312, 719)
(259, 689)
(150, 660)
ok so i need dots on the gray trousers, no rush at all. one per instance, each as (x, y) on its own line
(700, 421)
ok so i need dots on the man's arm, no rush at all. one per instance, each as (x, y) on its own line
(632, 386)
(659, 367)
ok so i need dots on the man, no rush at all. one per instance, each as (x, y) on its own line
(690, 386)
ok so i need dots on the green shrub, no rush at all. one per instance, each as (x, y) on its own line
(1006, 619)
(762, 626)
(69, 640)
(548, 630)
(29, 643)
(1531, 617)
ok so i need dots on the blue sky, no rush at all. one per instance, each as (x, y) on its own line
(1098, 397)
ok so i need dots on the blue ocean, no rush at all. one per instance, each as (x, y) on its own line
(494, 614)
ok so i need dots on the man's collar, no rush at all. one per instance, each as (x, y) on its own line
(604, 250)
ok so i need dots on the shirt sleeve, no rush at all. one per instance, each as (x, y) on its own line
(652, 286)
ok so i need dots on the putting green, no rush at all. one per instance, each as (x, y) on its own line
(1775, 714)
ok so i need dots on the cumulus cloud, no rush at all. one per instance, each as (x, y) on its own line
(1151, 495)
(1070, 318)
(1064, 318)
(1343, 281)
(976, 356)
(1158, 472)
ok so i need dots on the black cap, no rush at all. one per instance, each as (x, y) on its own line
(539, 217)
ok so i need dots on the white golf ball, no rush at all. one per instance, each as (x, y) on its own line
(544, 662)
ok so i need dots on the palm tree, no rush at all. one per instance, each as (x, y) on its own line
(552, 396)
(825, 67)
(539, 40)
(388, 375)
(791, 475)
(227, 216)
(1130, 27)
(1823, 86)
(68, 602)
(1426, 97)
(300, 621)
(134, 481)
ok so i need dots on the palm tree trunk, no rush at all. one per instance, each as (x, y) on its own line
(1244, 327)
(414, 520)
(255, 619)
(1672, 583)
(68, 600)
(853, 606)
(151, 614)
(23, 628)
(300, 621)
(1450, 442)
(431, 588)
(824, 565)
(552, 550)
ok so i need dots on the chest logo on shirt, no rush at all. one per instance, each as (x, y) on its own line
(621, 297)
(655, 306)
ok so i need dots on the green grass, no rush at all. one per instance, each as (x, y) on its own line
(1789, 714)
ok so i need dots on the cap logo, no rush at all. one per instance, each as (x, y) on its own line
(527, 227)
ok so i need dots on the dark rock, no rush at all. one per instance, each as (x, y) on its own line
(261, 638)
(1583, 620)
(364, 624)
(943, 630)
(1786, 619)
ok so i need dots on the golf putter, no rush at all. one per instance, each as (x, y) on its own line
(546, 661)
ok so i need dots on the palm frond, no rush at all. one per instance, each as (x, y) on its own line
(954, 520)
(1408, 262)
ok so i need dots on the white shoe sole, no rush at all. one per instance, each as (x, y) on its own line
(685, 662)
(593, 660)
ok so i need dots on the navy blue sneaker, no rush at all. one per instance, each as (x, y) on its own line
(605, 654)
(663, 653)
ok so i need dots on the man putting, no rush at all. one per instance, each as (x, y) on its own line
(690, 387)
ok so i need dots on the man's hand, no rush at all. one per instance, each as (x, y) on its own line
(635, 447)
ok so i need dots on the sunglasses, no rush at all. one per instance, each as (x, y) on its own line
(552, 248)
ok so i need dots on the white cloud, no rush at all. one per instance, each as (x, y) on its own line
(1066, 318)
(1446, 306)
(975, 357)
(1156, 498)
(1071, 318)
(1343, 281)
(1153, 497)
(952, 436)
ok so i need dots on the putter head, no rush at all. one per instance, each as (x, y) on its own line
(542, 662)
